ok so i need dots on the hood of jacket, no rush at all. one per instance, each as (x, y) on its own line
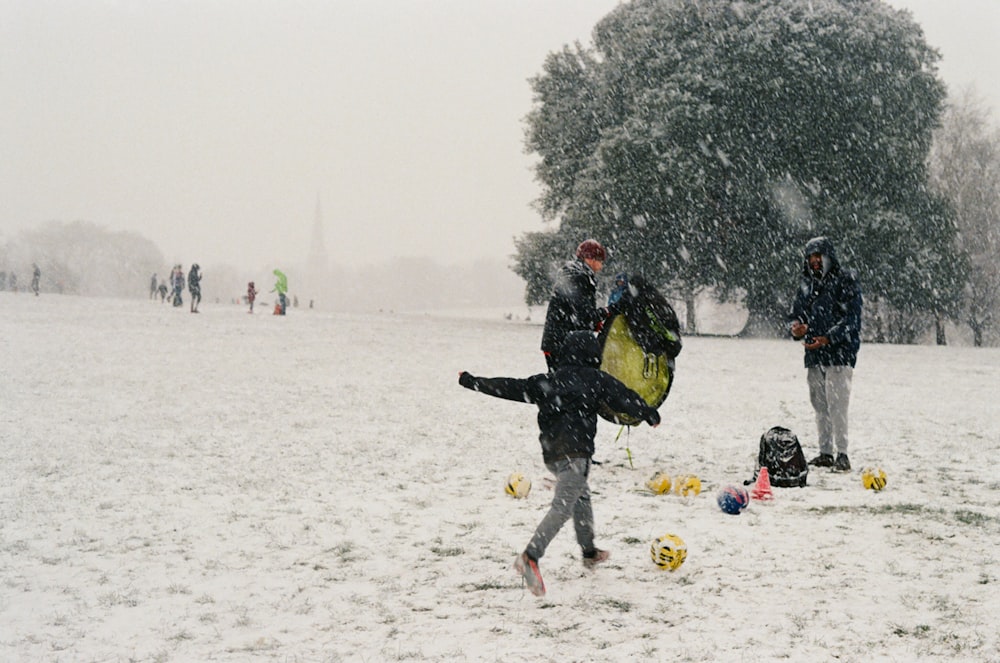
(578, 267)
(579, 349)
(824, 247)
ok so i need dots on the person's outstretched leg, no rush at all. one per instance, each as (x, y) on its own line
(571, 485)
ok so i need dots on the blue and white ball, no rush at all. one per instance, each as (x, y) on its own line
(733, 499)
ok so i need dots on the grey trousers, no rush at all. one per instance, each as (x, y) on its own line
(571, 500)
(830, 394)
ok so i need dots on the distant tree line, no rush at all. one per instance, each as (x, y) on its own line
(84, 258)
(705, 141)
(81, 257)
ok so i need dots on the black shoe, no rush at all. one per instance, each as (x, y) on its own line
(823, 460)
(842, 464)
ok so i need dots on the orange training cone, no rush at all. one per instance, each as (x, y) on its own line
(762, 489)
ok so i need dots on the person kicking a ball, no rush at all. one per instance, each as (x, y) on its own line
(568, 399)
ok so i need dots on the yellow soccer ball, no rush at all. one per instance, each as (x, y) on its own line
(873, 478)
(668, 552)
(659, 483)
(517, 485)
(687, 485)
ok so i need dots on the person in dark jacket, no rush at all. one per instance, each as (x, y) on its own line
(194, 286)
(826, 317)
(572, 306)
(177, 284)
(568, 399)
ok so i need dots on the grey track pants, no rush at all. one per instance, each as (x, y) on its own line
(571, 500)
(830, 394)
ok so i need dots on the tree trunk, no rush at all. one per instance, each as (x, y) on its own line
(691, 326)
(940, 330)
(977, 334)
(879, 335)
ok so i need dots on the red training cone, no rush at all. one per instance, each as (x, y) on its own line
(762, 489)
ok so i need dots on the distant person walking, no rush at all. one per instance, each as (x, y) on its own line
(194, 286)
(826, 316)
(280, 287)
(251, 295)
(36, 278)
(152, 287)
(177, 283)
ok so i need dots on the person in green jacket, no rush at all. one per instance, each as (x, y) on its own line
(281, 287)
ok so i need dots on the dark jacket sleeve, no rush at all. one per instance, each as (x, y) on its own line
(799, 312)
(524, 390)
(620, 398)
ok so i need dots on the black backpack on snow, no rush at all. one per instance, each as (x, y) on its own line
(781, 454)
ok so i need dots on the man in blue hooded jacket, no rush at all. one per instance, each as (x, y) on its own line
(826, 317)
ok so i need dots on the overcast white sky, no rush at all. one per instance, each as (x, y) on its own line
(212, 126)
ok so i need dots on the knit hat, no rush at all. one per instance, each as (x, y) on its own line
(590, 248)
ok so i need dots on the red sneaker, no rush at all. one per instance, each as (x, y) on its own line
(527, 568)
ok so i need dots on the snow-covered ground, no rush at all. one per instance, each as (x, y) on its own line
(228, 487)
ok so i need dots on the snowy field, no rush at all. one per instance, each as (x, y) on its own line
(228, 487)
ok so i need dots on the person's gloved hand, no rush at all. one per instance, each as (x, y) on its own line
(653, 419)
(466, 379)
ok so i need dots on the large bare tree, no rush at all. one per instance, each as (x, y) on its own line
(965, 168)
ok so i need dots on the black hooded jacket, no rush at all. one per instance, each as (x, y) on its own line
(568, 398)
(572, 306)
(194, 280)
(830, 303)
